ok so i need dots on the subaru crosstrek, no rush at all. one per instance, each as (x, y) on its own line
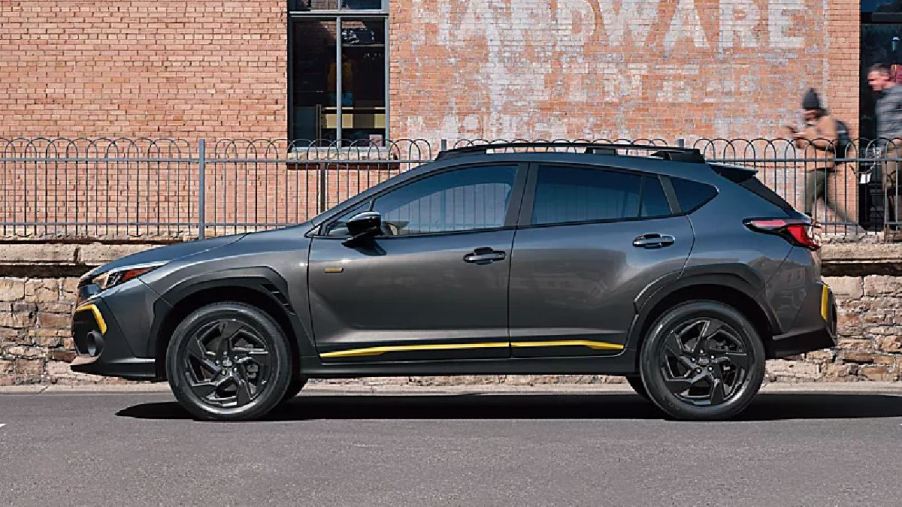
(641, 261)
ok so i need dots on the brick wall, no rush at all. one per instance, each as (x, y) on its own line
(574, 68)
(515, 68)
(161, 68)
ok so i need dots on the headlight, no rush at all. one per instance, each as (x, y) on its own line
(118, 276)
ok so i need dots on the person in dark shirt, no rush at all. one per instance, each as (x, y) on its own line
(889, 134)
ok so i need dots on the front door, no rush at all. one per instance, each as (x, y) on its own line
(593, 240)
(434, 285)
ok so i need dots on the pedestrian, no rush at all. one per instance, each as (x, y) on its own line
(889, 135)
(818, 139)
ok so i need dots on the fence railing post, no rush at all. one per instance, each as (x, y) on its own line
(202, 188)
(681, 143)
(322, 189)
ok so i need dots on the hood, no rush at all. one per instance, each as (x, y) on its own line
(166, 253)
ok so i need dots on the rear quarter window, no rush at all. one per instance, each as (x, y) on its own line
(691, 194)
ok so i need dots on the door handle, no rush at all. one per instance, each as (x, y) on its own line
(653, 240)
(484, 255)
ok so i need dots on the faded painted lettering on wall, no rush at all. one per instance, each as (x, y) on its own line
(574, 68)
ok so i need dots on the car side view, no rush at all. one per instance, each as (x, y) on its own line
(527, 258)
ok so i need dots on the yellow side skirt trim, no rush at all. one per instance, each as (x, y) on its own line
(97, 316)
(378, 351)
(825, 301)
(592, 344)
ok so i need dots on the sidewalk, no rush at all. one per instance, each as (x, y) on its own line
(893, 388)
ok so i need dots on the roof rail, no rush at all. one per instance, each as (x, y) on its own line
(663, 152)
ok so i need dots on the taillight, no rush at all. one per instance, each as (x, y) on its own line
(796, 231)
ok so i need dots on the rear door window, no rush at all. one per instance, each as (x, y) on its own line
(568, 194)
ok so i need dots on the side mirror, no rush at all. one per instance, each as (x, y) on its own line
(363, 226)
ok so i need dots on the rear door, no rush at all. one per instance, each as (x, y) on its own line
(590, 239)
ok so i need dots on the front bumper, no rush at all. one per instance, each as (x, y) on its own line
(815, 326)
(102, 346)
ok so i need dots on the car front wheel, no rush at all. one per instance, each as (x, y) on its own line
(229, 361)
(702, 360)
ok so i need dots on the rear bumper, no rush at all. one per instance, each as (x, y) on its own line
(101, 346)
(815, 327)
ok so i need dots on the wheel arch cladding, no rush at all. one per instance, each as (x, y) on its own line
(259, 292)
(739, 299)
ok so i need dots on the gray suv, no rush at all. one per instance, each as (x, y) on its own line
(639, 261)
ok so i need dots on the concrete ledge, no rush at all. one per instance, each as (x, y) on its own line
(860, 259)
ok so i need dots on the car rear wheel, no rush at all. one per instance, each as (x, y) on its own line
(229, 361)
(702, 360)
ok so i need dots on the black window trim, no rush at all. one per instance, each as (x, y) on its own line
(525, 221)
(514, 205)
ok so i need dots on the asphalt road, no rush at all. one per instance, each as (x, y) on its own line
(462, 449)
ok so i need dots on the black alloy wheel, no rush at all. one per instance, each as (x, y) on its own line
(227, 364)
(702, 360)
(229, 361)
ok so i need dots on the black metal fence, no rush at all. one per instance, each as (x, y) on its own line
(161, 189)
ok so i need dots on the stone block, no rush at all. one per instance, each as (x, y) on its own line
(66, 356)
(885, 359)
(889, 343)
(12, 289)
(42, 290)
(16, 320)
(30, 367)
(854, 344)
(25, 352)
(7, 367)
(64, 307)
(96, 254)
(47, 341)
(835, 371)
(793, 370)
(852, 356)
(30, 253)
(845, 287)
(878, 372)
(819, 356)
(54, 320)
(880, 285)
(70, 285)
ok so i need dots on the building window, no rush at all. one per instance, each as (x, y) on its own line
(338, 69)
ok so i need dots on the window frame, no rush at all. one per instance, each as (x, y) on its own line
(528, 206)
(511, 215)
(337, 15)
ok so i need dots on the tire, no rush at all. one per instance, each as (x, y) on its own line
(698, 371)
(298, 382)
(635, 381)
(229, 362)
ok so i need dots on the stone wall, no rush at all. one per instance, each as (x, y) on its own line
(37, 295)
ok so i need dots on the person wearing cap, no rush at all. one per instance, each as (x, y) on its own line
(817, 139)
